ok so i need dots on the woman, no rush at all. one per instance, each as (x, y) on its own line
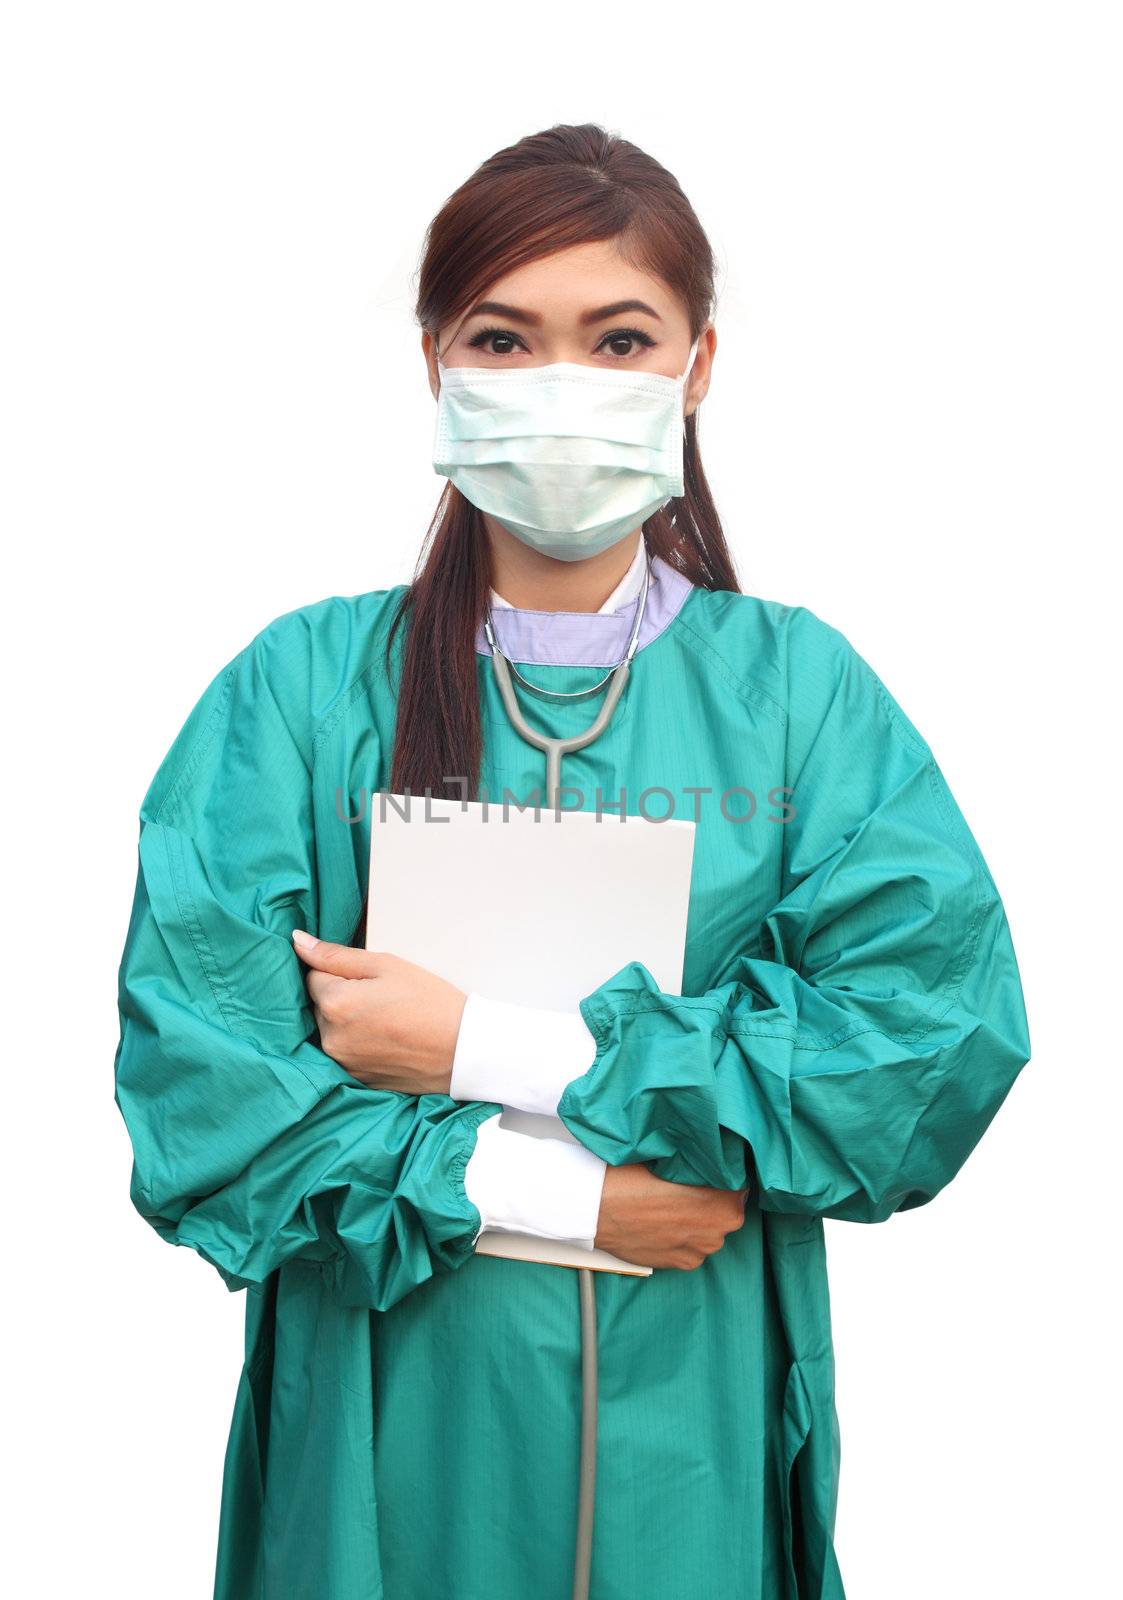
(321, 1122)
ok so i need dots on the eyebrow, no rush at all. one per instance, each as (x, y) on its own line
(532, 319)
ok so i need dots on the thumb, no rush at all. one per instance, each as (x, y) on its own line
(341, 959)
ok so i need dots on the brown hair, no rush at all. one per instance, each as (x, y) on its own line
(569, 185)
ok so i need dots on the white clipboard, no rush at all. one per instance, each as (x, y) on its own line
(535, 906)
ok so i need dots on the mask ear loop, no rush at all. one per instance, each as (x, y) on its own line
(437, 344)
(682, 381)
(685, 373)
(687, 370)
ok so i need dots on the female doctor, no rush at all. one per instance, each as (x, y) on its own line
(322, 1123)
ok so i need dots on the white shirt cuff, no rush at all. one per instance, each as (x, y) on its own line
(547, 1187)
(517, 1055)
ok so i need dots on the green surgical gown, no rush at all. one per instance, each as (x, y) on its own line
(407, 1421)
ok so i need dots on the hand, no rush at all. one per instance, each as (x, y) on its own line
(390, 1023)
(659, 1224)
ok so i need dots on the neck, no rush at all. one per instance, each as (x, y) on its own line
(528, 579)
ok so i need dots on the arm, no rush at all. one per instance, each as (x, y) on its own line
(251, 1145)
(855, 1053)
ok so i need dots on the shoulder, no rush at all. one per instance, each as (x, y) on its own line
(803, 663)
(761, 633)
(271, 699)
(315, 655)
(768, 644)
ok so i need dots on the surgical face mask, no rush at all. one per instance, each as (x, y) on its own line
(568, 458)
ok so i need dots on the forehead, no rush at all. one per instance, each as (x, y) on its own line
(569, 281)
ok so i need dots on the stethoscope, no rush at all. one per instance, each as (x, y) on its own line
(555, 749)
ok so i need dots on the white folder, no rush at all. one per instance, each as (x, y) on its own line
(532, 905)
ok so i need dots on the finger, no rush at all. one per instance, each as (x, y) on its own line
(340, 959)
(319, 984)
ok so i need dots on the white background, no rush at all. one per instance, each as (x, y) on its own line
(215, 410)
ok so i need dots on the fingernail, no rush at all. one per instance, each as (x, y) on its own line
(303, 941)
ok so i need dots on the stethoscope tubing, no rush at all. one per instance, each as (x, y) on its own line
(554, 749)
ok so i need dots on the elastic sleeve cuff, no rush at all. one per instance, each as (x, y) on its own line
(521, 1056)
(547, 1187)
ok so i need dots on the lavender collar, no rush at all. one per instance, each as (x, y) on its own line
(586, 638)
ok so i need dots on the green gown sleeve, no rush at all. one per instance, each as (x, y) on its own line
(860, 1045)
(250, 1144)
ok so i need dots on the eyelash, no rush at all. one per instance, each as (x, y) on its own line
(478, 340)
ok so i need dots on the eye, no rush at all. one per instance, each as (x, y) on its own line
(485, 340)
(502, 342)
(626, 335)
